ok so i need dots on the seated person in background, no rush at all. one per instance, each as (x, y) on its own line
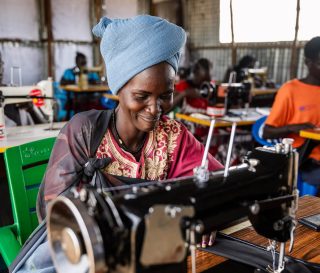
(246, 62)
(70, 75)
(188, 91)
(85, 101)
(297, 107)
(183, 74)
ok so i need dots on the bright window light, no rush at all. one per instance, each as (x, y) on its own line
(268, 20)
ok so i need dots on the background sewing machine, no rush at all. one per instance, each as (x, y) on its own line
(81, 75)
(41, 95)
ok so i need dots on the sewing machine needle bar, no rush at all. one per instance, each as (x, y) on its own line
(205, 155)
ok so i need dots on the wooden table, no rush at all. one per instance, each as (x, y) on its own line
(76, 90)
(311, 133)
(23, 134)
(227, 120)
(306, 246)
(110, 96)
(89, 88)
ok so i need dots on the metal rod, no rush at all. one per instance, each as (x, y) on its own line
(233, 132)
(20, 77)
(193, 250)
(206, 150)
(281, 257)
(11, 76)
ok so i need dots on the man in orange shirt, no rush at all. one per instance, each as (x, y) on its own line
(297, 107)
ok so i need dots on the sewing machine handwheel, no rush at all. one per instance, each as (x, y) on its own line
(74, 237)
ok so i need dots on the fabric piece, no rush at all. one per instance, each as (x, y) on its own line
(77, 141)
(137, 43)
(170, 151)
(40, 261)
(296, 102)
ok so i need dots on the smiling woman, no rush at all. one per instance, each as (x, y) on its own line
(136, 140)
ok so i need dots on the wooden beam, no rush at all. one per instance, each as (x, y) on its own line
(294, 61)
(233, 46)
(252, 45)
(48, 24)
(95, 15)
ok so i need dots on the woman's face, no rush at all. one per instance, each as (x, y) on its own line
(147, 96)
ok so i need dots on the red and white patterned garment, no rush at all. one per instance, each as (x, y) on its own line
(170, 151)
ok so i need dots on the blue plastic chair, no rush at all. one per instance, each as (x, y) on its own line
(306, 188)
(61, 97)
(257, 132)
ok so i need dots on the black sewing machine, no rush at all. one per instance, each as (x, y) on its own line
(237, 95)
(151, 227)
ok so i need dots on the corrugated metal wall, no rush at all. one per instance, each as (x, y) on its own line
(202, 23)
(277, 59)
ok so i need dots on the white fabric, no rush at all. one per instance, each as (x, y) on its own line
(70, 20)
(9, 122)
(25, 117)
(19, 19)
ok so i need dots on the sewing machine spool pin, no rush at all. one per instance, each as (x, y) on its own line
(202, 173)
(231, 141)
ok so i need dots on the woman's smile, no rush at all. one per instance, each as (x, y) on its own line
(149, 118)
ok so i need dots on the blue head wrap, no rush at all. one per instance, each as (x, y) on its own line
(129, 46)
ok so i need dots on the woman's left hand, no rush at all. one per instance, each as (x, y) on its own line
(208, 239)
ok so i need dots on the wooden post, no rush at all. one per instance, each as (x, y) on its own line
(294, 60)
(233, 46)
(48, 23)
(95, 15)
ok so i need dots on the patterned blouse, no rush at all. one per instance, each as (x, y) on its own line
(170, 151)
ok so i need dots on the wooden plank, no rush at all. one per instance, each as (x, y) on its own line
(90, 88)
(312, 134)
(260, 91)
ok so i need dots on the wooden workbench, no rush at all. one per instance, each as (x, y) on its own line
(23, 134)
(306, 246)
(241, 120)
(311, 134)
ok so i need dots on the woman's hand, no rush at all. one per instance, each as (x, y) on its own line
(208, 239)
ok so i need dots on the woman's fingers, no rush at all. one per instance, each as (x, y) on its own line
(212, 238)
(208, 239)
